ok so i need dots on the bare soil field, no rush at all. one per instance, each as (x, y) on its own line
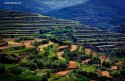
(72, 65)
(88, 51)
(27, 43)
(105, 73)
(73, 47)
(114, 67)
(11, 43)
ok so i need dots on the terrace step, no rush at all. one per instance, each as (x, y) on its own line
(26, 24)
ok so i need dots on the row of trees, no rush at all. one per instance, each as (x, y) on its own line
(15, 70)
(74, 55)
(18, 39)
(38, 43)
(44, 62)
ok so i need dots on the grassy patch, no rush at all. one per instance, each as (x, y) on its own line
(61, 58)
(12, 42)
(8, 66)
(51, 54)
(89, 68)
(43, 46)
(23, 51)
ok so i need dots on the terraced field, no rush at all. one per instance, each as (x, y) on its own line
(99, 40)
(13, 24)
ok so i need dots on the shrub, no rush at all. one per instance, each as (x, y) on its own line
(114, 73)
(38, 43)
(44, 42)
(95, 60)
(103, 68)
(16, 70)
(106, 63)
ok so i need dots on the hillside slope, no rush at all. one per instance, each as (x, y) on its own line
(14, 23)
(33, 6)
(104, 14)
(38, 6)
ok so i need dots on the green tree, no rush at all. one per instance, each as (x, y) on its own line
(107, 64)
(2, 68)
(31, 64)
(44, 78)
(114, 73)
(40, 63)
(16, 70)
(95, 60)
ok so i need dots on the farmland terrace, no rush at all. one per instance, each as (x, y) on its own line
(14, 24)
(99, 40)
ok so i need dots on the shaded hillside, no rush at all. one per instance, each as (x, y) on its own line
(33, 6)
(119, 29)
(38, 6)
(104, 14)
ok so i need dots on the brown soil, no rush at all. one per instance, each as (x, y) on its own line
(72, 65)
(88, 52)
(62, 47)
(59, 54)
(27, 43)
(87, 60)
(114, 67)
(73, 47)
(62, 72)
(105, 73)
